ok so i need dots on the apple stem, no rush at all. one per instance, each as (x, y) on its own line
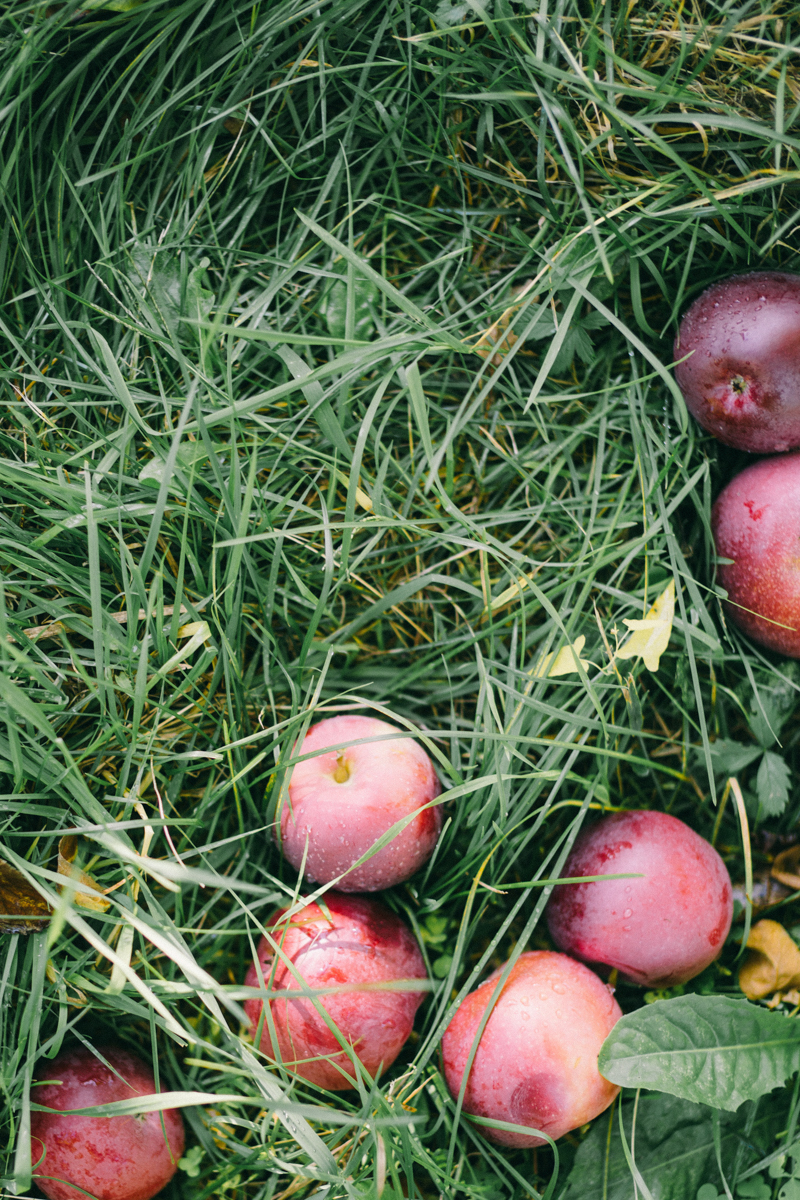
(342, 772)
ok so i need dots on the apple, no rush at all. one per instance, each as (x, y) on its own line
(342, 800)
(742, 379)
(344, 941)
(111, 1158)
(536, 1062)
(756, 523)
(659, 930)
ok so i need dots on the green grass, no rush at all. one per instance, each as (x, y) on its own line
(247, 251)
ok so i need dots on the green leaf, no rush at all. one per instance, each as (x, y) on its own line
(178, 301)
(774, 703)
(673, 1149)
(730, 757)
(188, 453)
(772, 784)
(754, 1188)
(705, 1049)
(576, 340)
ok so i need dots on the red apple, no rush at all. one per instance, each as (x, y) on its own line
(756, 523)
(742, 381)
(659, 930)
(357, 942)
(536, 1063)
(342, 800)
(111, 1158)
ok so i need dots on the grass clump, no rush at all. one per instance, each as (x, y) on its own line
(335, 360)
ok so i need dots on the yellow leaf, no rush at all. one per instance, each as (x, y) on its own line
(361, 496)
(564, 662)
(786, 868)
(511, 593)
(773, 962)
(67, 851)
(650, 637)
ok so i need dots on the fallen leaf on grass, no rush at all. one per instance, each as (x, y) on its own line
(67, 851)
(22, 909)
(786, 868)
(564, 662)
(650, 637)
(773, 962)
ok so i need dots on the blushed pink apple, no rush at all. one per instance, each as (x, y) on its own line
(343, 800)
(756, 523)
(536, 1063)
(358, 942)
(111, 1158)
(742, 381)
(659, 930)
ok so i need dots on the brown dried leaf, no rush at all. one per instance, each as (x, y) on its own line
(786, 868)
(22, 909)
(67, 850)
(493, 342)
(773, 964)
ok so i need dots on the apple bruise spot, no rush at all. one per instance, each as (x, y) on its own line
(538, 1102)
(719, 931)
(755, 513)
(427, 822)
(608, 853)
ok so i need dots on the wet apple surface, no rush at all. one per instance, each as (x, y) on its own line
(357, 941)
(756, 524)
(341, 801)
(536, 1062)
(741, 380)
(111, 1158)
(657, 930)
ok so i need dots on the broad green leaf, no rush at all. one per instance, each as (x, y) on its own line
(180, 302)
(754, 1188)
(775, 702)
(772, 784)
(673, 1149)
(188, 453)
(650, 637)
(705, 1049)
(730, 757)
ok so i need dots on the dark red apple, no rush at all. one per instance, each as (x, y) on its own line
(756, 523)
(742, 379)
(659, 930)
(358, 942)
(111, 1158)
(343, 800)
(536, 1063)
